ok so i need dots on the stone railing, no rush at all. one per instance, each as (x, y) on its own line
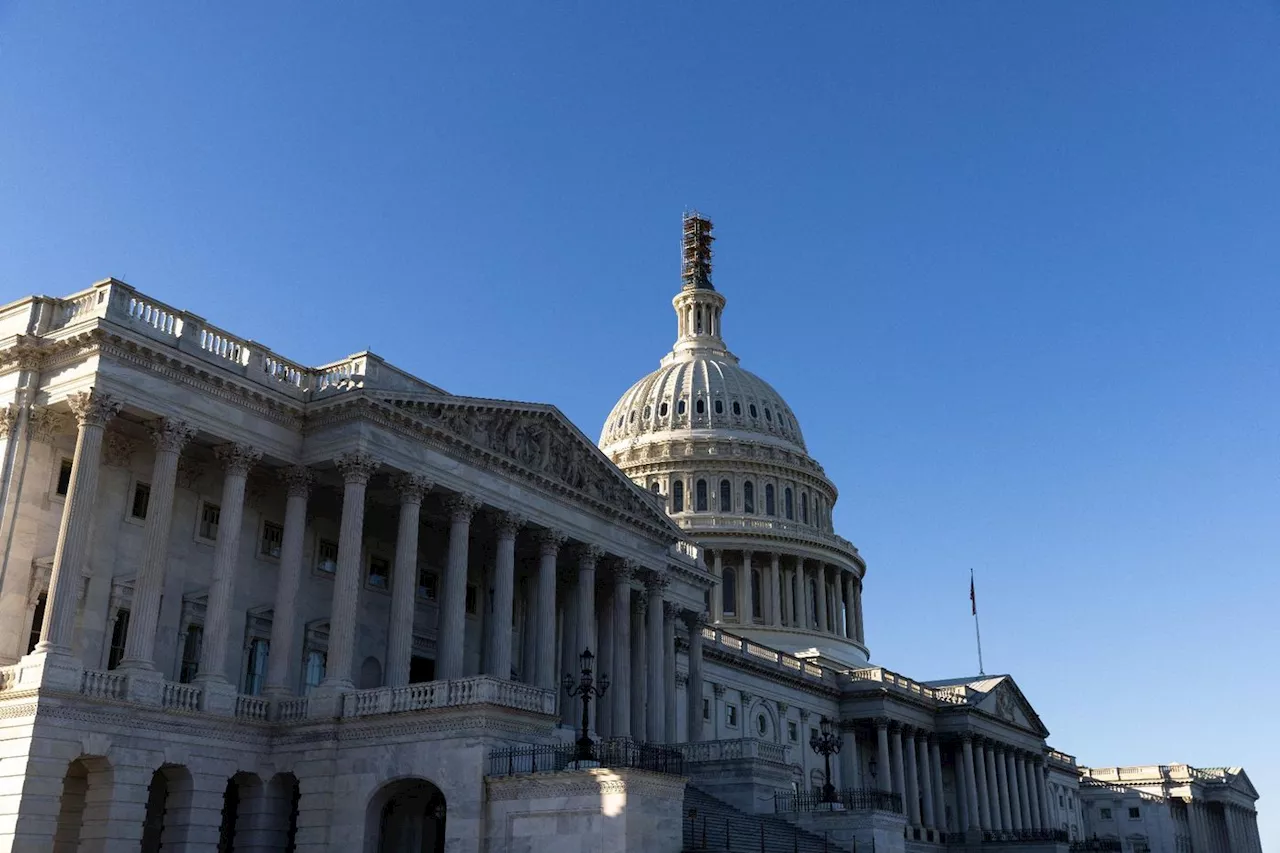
(943, 695)
(180, 697)
(293, 710)
(9, 677)
(763, 525)
(478, 690)
(253, 708)
(1062, 757)
(724, 641)
(732, 749)
(97, 684)
(124, 306)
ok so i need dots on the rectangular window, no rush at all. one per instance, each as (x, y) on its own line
(793, 731)
(141, 500)
(700, 496)
(1133, 813)
(706, 709)
(1105, 814)
(64, 477)
(255, 667)
(191, 654)
(272, 538)
(210, 514)
(428, 584)
(327, 556)
(379, 573)
(1062, 804)
(731, 716)
(119, 634)
(313, 672)
(37, 622)
(472, 594)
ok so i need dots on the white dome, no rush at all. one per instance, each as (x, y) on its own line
(697, 392)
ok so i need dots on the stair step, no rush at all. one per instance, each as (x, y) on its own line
(744, 830)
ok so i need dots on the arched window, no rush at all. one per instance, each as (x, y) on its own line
(768, 416)
(700, 496)
(680, 406)
(662, 410)
(752, 409)
(729, 592)
(700, 406)
(737, 408)
(655, 487)
(787, 506)
(749, 496)
(677, 496)
(804, 507)
(726, 496)
(770, 508)
(633, 415)
(648, 410)
(757, 587)
(719, 407)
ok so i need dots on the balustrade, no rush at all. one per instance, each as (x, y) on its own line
(254, 708)
(180, 697)
(478, 690)
(102, 685)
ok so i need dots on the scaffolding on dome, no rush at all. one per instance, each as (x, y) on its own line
(695, 266)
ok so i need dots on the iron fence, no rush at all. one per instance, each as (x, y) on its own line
(615, 754)
(746, 834)
(858, 799)
(1015, 836)
(1096, 845)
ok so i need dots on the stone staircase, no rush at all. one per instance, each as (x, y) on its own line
(713, 825)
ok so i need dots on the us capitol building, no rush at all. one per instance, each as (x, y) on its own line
(250, 605)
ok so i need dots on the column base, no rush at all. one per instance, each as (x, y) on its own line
(326, 701)
(50, 669)
(144, 685)
(217, 697)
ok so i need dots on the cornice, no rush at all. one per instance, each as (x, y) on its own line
(713, 652)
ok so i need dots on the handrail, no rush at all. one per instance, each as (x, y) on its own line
(613, 753)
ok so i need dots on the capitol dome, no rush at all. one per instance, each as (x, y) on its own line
(727, 453)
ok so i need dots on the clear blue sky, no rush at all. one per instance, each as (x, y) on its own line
(1013, 264)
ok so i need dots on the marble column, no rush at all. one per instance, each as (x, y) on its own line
(498, 646)
(857, 612)
(1002, 787)
(297, 480)
(602, 708)
(588, 556)
(912, 788)
(620, 602)
(746, 591)
(849, 759)
(1015, 796)
(92, 410)
(993, 790)
(669, 615)
(639, 672)
(717, 592)
(451, 630)
(775, 591)
(899, 771)
(798, 596)
(885, 778)
(925, 776)
(169, 436)
(544, 618)
(693, 690)
(655, 720)
(984, 784)
(820, 579)
(939, 799)
(1030, 812)
(404, 581)
(356, 467)
(236, 460)
(970, 782)
(1042, 797)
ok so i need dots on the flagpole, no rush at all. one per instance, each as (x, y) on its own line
(977, 631)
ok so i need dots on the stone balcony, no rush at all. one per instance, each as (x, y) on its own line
(765, 526)
(877, 677)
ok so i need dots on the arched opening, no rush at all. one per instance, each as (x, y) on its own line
(729, 592)
(770, 505)
(75, 784)
(726, 496)
(749, 497)
(405, 816)
(157, 806)
(804, 507)
(757, 588)
(787, 505)
(370, 673)
(701, 496)
(677, 496)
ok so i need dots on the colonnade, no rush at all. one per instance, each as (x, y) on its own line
(794, 591)
(638, 654)
(1004, 788)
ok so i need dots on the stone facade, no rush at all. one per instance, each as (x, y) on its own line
(251, 605)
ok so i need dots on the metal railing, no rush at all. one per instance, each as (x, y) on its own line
(742, 833)
(855, 799)
(620, 753)
(1097, 845)
(1023, 836)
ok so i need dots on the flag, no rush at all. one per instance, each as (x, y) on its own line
(973, 598)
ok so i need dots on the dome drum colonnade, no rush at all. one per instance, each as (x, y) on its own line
(727, 453)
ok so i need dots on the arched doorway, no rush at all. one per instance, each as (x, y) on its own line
(405, 816)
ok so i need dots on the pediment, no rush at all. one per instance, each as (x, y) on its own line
(1004, 700)
(540, 441)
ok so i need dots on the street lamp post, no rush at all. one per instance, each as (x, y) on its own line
(587, 688)
(827, 743)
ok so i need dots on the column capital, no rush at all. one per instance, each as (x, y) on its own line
(170, 435)
(746, 698)
(589, 555)
(411, 487)
(718, 690)
(967, 737)
(656, 581)
(297, 480)
(671, 610)
(549, 541)
(782, 708)
(461, 507)
(696, 620)
(357, 466)
(93, 408)
(640, 605)
(881, 723)
(508, 524)
(624, 570)
(237, 457)
(746, 557)
(804, 715)
(682, 679)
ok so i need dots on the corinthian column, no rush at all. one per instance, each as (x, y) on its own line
(995, 821)
(404, 582)
(799, 597)
(297, 480)
(620, 601)
(717, 592)
(92, 410)
(857, 612)
(236, 460)
(746, 592)
(170, 436)
(911, 764)
(774, 598)
(588, 556)
(984, 786)
(1015, 794)
(670, 613)
(693, 690)
(549, 542)
(356, 468)
(885, 781)
(970, 781)
(655, 720)
(820, 578)
(498, 652)
(639, 658)
(451, 630)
